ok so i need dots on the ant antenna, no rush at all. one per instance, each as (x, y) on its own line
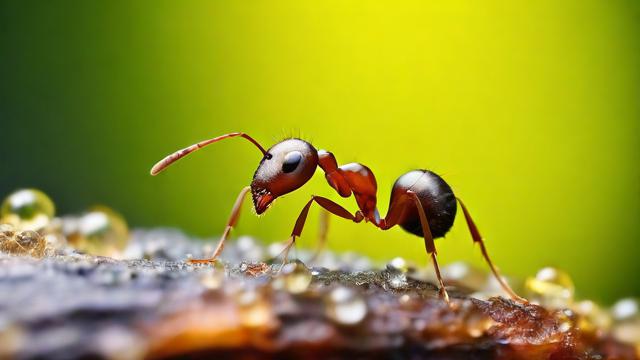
(170, 159)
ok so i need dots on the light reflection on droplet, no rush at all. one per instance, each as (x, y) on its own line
(212, 278)
(464, 274)
(297, 277)
(27, 209)
(550, 287)
(626, 317)
(255, 310)
(345, 306)
(398, 264)
(26, 242)
(101, 231)
(591, 316)
(625, 309)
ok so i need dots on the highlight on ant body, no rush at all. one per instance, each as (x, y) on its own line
(421, 203)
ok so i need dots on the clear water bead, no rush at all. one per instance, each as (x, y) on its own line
(345, 306)
(398, 264)
(27, 209)
(627, 309)
(255, 310)
(626, 315)
(213, 277)
(100, 231)
(592, 317)
(550, 287)
(26, 242)
(465, 275)
(297, 277)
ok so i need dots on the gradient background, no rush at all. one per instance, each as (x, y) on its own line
(530, 110)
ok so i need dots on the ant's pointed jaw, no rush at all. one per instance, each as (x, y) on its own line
(262, 198)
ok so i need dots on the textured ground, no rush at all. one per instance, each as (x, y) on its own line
(79, 306)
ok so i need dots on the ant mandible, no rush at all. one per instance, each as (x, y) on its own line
(422, 203)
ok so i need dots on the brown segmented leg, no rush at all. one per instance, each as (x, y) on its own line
(429, 243)
(326, 204)
(233, 220)
(477, 238)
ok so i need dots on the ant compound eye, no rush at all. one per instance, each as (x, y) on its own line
(291, 161)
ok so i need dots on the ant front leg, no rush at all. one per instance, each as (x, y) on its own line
(477, 238)
(326, 204)
(233, 220)
(429, 243)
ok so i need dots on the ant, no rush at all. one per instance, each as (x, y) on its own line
(422, 203)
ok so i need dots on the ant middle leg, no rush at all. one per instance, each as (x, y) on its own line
(233, 220)
(327, 205)
(477, 238)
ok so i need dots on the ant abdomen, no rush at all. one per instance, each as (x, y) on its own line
(436, 197)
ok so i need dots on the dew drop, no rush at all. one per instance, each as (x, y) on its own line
(626, 317)
(591, 316)
(465, 275)
(625, 310)
(26, 242)
(297, 277)
(398, 264)
(101, 231)
(213, 277)
(345, 306)
(550, 287)
(27, 209)
(254, 309)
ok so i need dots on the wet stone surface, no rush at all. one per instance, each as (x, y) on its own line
(153, 304)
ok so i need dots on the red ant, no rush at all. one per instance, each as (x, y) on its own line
(422, 203)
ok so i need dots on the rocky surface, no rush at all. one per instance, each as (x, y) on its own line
(155, 305)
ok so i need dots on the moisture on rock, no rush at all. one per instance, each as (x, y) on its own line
(27, 242)
(156, 305)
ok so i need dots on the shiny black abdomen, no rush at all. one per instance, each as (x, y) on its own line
(436, 197)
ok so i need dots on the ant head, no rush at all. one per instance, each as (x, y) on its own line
(285, 167)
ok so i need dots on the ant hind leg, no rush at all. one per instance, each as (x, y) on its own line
(477, 238)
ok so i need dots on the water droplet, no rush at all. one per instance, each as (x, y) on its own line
(626, 314)
(564, 326)
(591, 316)
(249, 249)
(465, 275)
(212, 278)
(550, 287)
(101, 231)
(345, 306)
(397, 280)
(255, 310)
(398, 264)
(493, 287)
(7, 231)
(297, 277)
(397, 273)
(26, 242)
(478, 326)
(27, 209)
(275, 249)
(625, 310)
(243, 267)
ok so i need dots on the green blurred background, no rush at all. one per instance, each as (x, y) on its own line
(530, 110)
